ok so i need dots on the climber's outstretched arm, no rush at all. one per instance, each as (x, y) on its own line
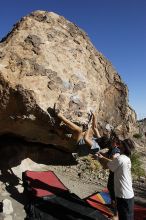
(87, 137)
(70, 124)
(94, 126)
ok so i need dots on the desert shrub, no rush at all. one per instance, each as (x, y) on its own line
(92, 165)
(137, 135)
(137, 169)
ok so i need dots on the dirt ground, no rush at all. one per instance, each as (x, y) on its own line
(78, 178)
(82, 184)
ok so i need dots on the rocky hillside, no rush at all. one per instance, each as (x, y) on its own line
(46, 59)
(142, 127)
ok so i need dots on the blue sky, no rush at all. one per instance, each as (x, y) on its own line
(117, 28)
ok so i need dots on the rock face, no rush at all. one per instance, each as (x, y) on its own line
(46, 59)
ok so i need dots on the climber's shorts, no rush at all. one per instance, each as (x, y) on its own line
(83, 149)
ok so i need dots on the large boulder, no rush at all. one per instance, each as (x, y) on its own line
(46, 59)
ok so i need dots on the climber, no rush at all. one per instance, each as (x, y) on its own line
(86, 139)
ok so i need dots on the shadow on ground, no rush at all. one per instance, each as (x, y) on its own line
(14, 150)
